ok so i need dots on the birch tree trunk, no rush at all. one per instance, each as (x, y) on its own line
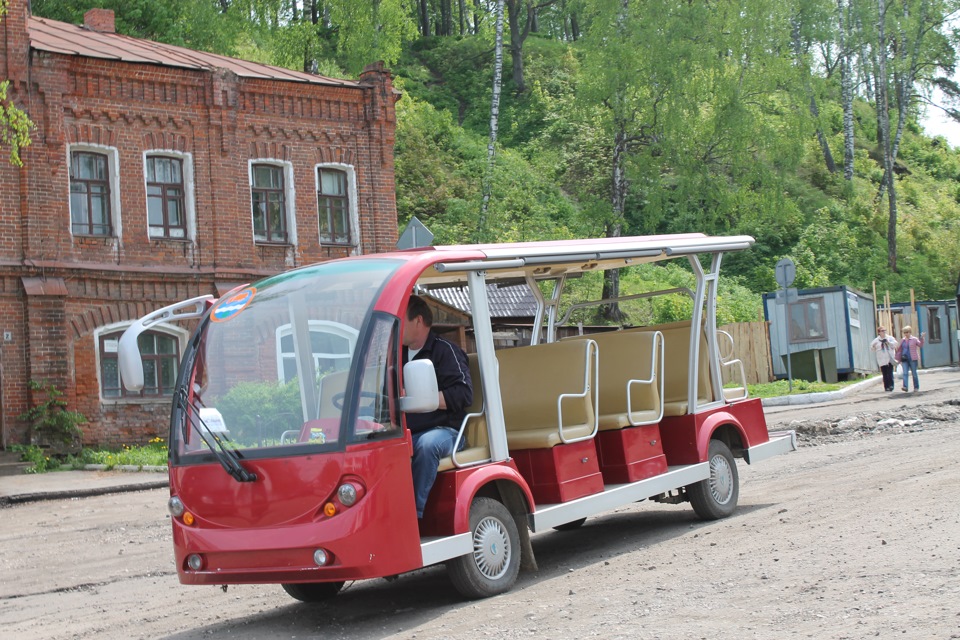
(846, 88)
(883, 118)
(494, 123)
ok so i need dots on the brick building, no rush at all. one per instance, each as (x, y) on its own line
(157, 174)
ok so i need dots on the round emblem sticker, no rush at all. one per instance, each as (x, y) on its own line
(229, 307)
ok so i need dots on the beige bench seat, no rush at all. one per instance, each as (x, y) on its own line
(630, 379)
(549, 393)
(474, 428)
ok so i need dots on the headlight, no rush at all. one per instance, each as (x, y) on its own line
(347, 493)
(175, 505)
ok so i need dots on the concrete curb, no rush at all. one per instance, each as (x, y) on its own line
(79, 493)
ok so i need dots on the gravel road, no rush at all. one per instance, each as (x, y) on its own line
(856, 535)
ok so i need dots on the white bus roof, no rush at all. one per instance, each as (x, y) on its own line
(555, 257)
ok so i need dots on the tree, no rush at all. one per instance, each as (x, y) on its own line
(14, 124)
(494, 122)
(521, 14)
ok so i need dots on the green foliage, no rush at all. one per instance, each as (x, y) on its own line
(152, 454)
(251, 409)
(40, 458)
(50, 421)
(14, 124)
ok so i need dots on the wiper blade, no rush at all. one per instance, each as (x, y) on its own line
(227, 457)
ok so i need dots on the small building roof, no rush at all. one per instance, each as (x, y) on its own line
(514, 301)
(73, 40)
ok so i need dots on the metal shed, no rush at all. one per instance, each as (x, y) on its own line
(827, 332)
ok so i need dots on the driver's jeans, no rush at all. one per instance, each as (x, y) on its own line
(428, 448)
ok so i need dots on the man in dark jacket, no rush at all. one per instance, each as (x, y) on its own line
(434, 433)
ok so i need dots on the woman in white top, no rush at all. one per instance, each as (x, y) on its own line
(885, 346)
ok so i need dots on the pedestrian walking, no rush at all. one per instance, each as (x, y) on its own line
(908, 355)
(885, 347)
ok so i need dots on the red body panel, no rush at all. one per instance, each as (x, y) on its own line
(561, 473)
(267, 530)
(448, 509)
(631, 454)
(686, 439)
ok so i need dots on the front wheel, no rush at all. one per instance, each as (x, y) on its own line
(493, 565)
(717, 496)
(313, 591)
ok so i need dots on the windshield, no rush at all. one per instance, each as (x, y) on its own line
(278, 361)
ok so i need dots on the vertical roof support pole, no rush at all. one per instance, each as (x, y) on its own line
(489, 367)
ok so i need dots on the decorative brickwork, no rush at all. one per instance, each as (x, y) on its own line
(58, 288)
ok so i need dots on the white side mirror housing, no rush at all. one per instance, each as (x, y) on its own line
(421, 394)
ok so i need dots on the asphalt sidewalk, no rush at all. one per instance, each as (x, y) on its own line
(60, 485)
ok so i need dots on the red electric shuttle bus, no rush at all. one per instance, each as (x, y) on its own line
(289, 457)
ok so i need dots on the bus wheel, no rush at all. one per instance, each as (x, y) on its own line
(493, 566)
(313, 591)
(716, 497)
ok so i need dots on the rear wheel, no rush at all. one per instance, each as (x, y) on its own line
(313, 591)
(717, 496)
(493, 565)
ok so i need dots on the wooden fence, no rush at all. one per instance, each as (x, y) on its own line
(751, 344)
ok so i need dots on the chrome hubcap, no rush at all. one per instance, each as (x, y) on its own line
(491, 548)
(721, 480)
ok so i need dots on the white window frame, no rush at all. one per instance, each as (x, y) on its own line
(113, 170)
(189, 201)
(353, 212)
(323, 326)
(182, 336)
(289, 198)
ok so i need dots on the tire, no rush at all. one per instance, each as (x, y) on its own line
(313, 591)
(570, 526)
(493, 565)
(717, 496)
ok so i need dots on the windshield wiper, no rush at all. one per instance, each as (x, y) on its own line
(228, 458)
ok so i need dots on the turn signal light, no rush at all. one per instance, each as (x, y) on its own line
(188, 518)
(329, 509)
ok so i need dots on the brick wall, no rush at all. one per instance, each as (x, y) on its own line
(222, 122)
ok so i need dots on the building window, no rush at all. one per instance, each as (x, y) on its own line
(333, 204)
(90, 194)
(269, 204)
(161, 359)
(166, 201)
(331, 346)
(933, 325)
(808, 321)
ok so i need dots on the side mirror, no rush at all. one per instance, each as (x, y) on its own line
(421, 394)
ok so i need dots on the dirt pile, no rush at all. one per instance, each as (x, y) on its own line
(905, 419)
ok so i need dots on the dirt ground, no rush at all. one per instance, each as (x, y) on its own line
(856, 535)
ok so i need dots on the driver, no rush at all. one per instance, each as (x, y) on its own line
(434, 433)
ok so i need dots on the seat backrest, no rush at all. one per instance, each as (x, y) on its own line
(330, 385)
(533, 378)
(476, 427)
(626, 356)
(676, 351)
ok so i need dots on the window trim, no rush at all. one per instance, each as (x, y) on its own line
(325, 326)
(352, 207)
(180, 334)
(189, 200)
(934, 335)
(289, 200)
(806, 302)
(113, 173)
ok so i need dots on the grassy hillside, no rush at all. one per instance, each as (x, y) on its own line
(551, 179)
